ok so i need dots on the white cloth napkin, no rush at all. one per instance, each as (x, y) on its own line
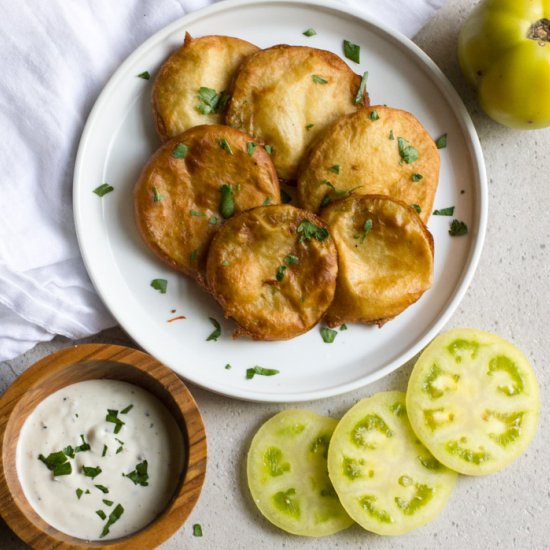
(56, 57)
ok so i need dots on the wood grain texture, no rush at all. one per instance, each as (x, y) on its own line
(90, 362)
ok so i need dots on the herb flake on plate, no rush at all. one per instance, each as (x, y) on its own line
(310, 32)
(160, 284)
(458, 228)
(351, 51)
(449, 211)
(146, 75)
(217, 330)
(103, 189)
(361, 90)
(441, 142)
(197, 530)
(328, 335)
(261, 371)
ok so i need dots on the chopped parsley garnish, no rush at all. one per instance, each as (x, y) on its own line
(160, 285)
(407, 152)
(285, 197)
(139, 475)
(224, 144)
(458, 228)
(250, 148)
(227, 201)
(90, 471)
(126, 410)
(193, 255)
(281, 272)
(373, 115)
(309, 126)
(351, 51)
(103, 189)
(261, 371)
(102, 488)
(449, 211)
(180, 151)
(210, 101)
(417, 208)
(228, 367)
(84, 446)
(197, 529)
(119, 450)
(344, 327)
(69, 451)
(217, 330)
(308, 230)
(318, 79)
(225, 263)
(157, 197)
(361, 89)
(310, 32)
(107, 502)
(197, 213)
(416, 177)
(391, 135)
(335, 169)
(268, 149)
(145, 75)
(213, 220)
(57, 463)
(101, 514)
(328, 335)
(441, 142)
(105, 449)
(267, 201)
(367, 226)
(290, 259)
(114, 516)
(112, 416)
(79, 493)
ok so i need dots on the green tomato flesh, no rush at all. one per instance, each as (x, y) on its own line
(473, 400)
(385, 478)
(288, 478)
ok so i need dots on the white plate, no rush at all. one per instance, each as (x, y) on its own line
(119, 137)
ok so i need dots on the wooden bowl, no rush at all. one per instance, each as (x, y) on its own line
(89, 362)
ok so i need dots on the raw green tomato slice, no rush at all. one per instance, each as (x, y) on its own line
(288, 478)
(473, 400)
(387, 481)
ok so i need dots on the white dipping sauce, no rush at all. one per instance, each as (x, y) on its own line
(149, 434)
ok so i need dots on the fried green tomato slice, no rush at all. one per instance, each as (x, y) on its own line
(376, 151)
(288, 478)
(193, 84)
(194, 182)
(385, 258)
(387, 481)
(273, 270)
(285, 96)
(473, 400)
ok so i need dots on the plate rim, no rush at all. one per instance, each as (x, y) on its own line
(464, 122)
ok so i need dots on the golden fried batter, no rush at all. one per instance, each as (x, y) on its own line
(273, 269)
(385, 258)
(285, 96)
(378, 150)
(191, 184)
(192, 86)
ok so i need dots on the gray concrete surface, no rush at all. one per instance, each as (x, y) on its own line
(510, 295)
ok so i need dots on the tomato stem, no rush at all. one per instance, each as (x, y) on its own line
(540, 31)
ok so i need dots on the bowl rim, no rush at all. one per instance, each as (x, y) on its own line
(37, 532)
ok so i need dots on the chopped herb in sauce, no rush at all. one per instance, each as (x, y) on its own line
(126, 410)
(107, 502)
(250, 148)
(310, 32)
(441, 142)
(407, 152)
(361, 89)
(69, 451)
(119, 450)
(217, 330)
(105, 449)
(267, 201)
(449, 211)
(90, 471)
(211, 101)
(103, 189)
(458, 228)
(139, 475)
(328, 335)
(57, 463)
(416, 177)
(84, 446)
(157, 197)
(308, 230)
(261, 371)
(290, 259)
(281, 273)
(228, 367)
(268, 149)
(160, 285)
(145, 75)
(114, 516)
(224, 144)
(227, 201)
(197, 530)
(102, 488)
(318, 79)
(373, 115)
(79, 493)
(180, 151)
(101, 514)
(417, 208)
(112, 416)
(335, 169)
(352, 51)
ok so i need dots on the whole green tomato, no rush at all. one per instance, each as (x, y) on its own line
(504, 52)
